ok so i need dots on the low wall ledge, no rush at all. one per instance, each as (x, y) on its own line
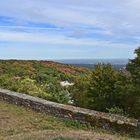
(101, 119)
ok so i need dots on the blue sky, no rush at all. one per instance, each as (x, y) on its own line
(68, 29)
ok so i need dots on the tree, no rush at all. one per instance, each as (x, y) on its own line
(103, 87)
(134, 67)
(134, 95)
(80, 90)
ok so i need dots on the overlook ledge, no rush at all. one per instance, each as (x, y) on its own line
(94, 118)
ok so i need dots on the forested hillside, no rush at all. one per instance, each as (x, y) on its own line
(38, 78)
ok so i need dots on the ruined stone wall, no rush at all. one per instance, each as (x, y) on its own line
(95, 118)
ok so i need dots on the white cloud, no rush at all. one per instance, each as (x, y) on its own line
(79, 22)
(12, 36)
(116, 16)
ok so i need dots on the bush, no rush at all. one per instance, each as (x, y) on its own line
(80, 90)
(116, 110)
(103, 87)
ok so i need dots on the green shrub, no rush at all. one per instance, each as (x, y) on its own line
(116, 110)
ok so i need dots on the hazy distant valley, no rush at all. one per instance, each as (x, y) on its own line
(90, 63)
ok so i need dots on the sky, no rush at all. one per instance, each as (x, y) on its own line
(69, 29)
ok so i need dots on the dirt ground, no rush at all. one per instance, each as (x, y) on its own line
(18, 123)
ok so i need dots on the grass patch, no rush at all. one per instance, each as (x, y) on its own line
(62, 138)
(19, 123)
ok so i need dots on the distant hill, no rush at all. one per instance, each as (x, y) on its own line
(29, 64)
(89, 63)
(39, 78)
(65, 68)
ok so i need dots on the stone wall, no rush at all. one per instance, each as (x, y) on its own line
(95, 118)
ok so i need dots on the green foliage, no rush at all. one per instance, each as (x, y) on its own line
(116, 110)
(133, 94)
(134, 67)
(58, 94)
(30, 87)
(108, 90)
(80, 89)
(104, 88)
(9, 82)
(35, 78)
(77, 125)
